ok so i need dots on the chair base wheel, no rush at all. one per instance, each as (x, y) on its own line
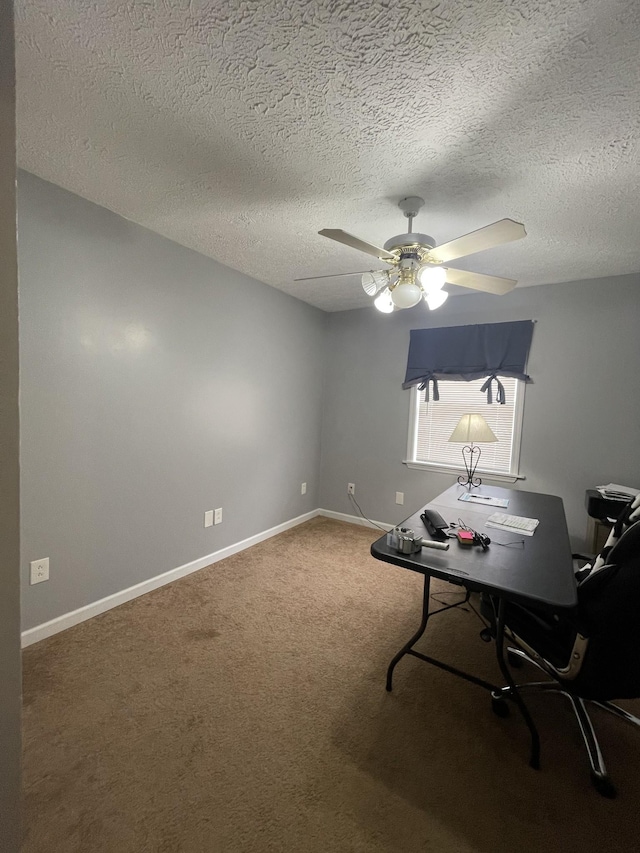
(603, 785)
(486, 635)
(499, 706)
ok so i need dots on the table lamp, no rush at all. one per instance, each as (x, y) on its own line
(471, 428)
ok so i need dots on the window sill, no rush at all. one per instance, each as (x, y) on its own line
(451, 469)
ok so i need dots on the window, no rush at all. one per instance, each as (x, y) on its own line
(431, 423)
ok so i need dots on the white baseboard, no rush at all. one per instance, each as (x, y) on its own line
(354, 519)
(67, 620)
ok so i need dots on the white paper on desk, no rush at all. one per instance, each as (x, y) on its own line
(514, 523)
(487, 500)
(508, 528)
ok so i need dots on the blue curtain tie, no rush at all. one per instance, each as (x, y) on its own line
(500, 395)
(424, 386)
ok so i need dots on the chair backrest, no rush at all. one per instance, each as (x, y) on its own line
(609, 615)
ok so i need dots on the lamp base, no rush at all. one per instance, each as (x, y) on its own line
(470, 457)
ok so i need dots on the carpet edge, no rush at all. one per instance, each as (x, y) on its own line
(95, 608)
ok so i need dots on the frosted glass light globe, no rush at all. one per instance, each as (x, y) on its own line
(406, 295)
(432, 278)
(383, 302)
(436, 298)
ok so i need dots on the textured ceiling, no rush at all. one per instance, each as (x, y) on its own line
(240, 128)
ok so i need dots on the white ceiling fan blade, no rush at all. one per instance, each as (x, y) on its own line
(503, 231)
(356, 243)
(337, 275)
(478, 281)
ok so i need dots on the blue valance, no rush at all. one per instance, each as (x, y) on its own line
(465, 353)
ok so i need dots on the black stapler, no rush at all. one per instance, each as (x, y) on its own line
(435, 524)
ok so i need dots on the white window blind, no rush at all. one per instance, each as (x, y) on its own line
(436, 420)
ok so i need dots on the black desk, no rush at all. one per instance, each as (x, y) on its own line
(541, 571)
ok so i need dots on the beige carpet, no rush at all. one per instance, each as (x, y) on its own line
(243, 709)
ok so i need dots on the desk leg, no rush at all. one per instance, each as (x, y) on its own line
(534, 761)
(425, 618)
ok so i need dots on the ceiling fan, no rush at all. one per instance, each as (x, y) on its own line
(416, 268)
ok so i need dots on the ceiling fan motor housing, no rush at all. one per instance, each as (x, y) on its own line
(402, 241)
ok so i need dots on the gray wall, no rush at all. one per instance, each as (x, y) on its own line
(156, 384)
(10, 675)
(582, 414)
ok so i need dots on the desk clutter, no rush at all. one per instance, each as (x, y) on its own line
(467, 538)
(513, 523)
(405, 541)
(487, 500)
(615, 492)
(442, 530)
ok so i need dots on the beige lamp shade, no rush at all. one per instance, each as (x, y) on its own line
(472, 428)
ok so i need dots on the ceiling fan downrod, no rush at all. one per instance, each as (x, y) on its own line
(410, 206)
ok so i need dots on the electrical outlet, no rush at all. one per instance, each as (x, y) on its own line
(208, 518)
(217, 519)
(351, 488)
(399, 497)
(303, 489)
(39, 570)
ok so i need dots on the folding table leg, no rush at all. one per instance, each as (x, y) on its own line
(534, 760)
(423, 624)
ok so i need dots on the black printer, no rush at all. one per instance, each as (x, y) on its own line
(602, 508)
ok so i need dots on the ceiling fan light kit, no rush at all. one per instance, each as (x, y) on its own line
(406, 294)
(432, 278)
(383, 302)
(374, 281)
(416, 270)
(436, 298)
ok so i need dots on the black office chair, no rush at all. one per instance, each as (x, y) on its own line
(593, 651)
